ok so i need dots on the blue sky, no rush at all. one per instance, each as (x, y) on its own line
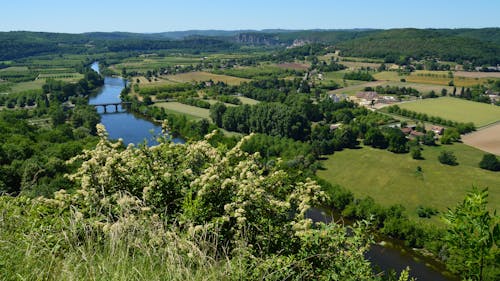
(75, 16)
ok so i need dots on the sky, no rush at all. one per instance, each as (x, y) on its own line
(148, 16)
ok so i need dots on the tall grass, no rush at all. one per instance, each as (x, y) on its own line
(129, 249)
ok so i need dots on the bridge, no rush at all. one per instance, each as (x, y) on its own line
(116, 104)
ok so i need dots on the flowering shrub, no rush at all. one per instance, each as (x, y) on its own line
(192, 199)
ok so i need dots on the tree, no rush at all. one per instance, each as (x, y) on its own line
(447, 158)
(490, 162)
(416, 153)
(450, 135)
(397, 141)
(428, 138)
(444, 92)
(471, 236)
(57, 115)
(375, 138)
(216, 112)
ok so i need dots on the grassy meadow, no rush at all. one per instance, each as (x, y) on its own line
(192, 112)
(456, 109)
(393, 178)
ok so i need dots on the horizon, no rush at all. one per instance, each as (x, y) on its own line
(59, 16)
(257, 30)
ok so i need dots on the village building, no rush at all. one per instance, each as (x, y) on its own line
(338, 97)
(438, 130)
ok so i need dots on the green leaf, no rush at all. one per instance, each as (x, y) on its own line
(496, 234)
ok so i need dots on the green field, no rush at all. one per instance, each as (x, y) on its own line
(199, 76)
(192, 112)
(389, 76)
(392, 178)
(338, 77)
(25, 86)
(249, 101)
(456, 109)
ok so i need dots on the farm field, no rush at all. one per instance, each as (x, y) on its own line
(70, 76)
(192, 112)
(205, 76)
(438, 78)
(487, 139)
(14, 68)
(143, 81)
(248, 101)
(354, 65)
(389, 76)
(393, 179)
(295, 66)
(478, 74)
(25, 86)
(357, 87)
(422, 88)
(338, 77)
(456, 109)
(262, 71)
(152, 62)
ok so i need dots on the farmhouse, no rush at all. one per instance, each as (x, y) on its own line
(406, 130)
(415, 134)
(338, 98)
(438, 130)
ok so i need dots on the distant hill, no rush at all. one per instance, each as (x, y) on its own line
(480, 46)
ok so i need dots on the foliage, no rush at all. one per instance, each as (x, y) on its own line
(448, 158)
(473, 236)
(183, 205)
(194, 102)
(375, 138)
(269, 118)
(398, 143)
(450, 135)
(490, 162)
(426, 212)
(395, 44)
(416, 152)
(360, 75)
(32, 159)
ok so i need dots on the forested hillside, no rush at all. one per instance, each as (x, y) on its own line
(478, 46)
(419, 44)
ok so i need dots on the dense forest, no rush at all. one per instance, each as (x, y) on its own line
(478, 46)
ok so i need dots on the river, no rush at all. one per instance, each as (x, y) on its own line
(134, 129)
(120, 123)
(394, 255)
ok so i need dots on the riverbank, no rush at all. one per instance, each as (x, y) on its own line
(389, 254)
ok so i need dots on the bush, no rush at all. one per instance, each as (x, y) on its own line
(490, 162)
(447, 158)
(416, 153)
(426, 212)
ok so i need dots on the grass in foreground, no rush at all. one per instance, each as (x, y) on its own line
(393, 178)
(456, 109)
